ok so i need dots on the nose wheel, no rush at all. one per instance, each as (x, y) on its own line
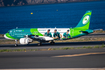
(16, 43)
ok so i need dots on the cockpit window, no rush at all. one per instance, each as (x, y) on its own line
(8, 32)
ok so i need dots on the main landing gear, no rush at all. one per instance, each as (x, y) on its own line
(39, 44)
(52, 42)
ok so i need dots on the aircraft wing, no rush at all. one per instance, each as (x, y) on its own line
(41, 38)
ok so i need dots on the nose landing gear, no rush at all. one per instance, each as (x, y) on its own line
(16, 43)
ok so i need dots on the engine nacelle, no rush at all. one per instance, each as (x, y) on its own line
(25, 40)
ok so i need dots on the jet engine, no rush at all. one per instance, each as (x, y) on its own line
(25, 40)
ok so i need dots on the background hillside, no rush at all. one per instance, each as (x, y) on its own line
(30, 2)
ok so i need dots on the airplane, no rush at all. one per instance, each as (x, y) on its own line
(28, 35)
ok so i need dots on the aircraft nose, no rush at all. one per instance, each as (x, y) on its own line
(5, 36)
(8, 36)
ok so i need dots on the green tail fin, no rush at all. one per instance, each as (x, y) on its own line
(85, 21)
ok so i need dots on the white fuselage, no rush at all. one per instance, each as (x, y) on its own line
(60, 30)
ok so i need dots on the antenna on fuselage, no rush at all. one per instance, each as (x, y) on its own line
(16, 27)
(55, 28)
(70, 27)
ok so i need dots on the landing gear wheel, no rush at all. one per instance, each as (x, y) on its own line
(16, 44)
(39, 44)
(52, 43)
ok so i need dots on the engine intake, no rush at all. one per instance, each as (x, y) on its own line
(25, 40)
